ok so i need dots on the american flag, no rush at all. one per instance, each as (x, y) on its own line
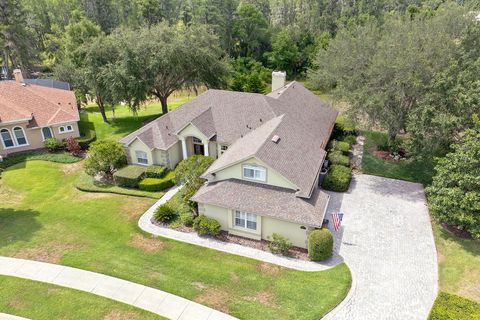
(337, 220)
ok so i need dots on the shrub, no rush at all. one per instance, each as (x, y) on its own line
(72, 146)
(187, 218)
(52, 145)
(337, 157)
(337, 179)
(129, 176)
(350, 139)
(341, 146)
(155, 184)
(165, 213)
(105, 157)
(279, 244)
(156, 172)
(85, 140)
(320, 245)
(450, 306)
(206, 226)
(189, 170)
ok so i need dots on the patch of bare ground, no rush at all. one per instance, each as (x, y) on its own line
(72, 167)
(51, 252)
(470, 288)
(133, 208)
(120, 315)
(150, 245)
(265, 297)
(16, 303)
(8, 196)
(269, 269)
(215, 298)
(234, 277)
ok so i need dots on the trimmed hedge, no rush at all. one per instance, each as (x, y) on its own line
(62, 157)
(337, 179)
(129, 176)
(85, 140)
(337, 157)
(450, 306)
(320, 245)
(156, 172)
(52, 145)
(155, 184)
(341, 146)
(165, 213)
(206, 226)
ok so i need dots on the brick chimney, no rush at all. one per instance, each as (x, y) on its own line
(278, 79)
(17, 73)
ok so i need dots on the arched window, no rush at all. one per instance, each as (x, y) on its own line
(20, 136)
(6, 138)
(47, 133)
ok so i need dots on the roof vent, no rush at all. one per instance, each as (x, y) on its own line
(275, 139)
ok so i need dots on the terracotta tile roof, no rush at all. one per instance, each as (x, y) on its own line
(43, 106)
(265, 200)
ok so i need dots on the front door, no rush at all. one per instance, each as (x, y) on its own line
(198, 149)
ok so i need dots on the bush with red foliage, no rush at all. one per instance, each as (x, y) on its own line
(72, 146)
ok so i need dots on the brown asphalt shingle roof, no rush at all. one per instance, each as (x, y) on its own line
(44, 106)
(265, 200)
(247, 122)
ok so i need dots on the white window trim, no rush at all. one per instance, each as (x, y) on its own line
(65, 130)
(254, 167)
(24, 136)
(43, 136)
(137, 157)
(11, 138)
(14, 139)
(244, 227)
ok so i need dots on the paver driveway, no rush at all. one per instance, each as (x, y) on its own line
(387, 242)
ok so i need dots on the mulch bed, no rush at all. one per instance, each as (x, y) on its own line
(457, 232)
(295, 252)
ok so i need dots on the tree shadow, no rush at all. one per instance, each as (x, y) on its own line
(17, 225)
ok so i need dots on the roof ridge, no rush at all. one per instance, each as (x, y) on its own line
(273, 129)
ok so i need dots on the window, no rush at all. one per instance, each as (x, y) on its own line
(7, 138)
(67, 128)
(254, 173)
(20, 136)
(245, 220)
(47, 133)
(197, 141)
(224, 148)
(141, 157)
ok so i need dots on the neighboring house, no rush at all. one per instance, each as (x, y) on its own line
(29, 114)
(269, 149)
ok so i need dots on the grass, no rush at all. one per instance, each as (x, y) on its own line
(124, 122)
(44, 217)
(459, 261)
(409, 170)
(85, 182)
(36, 300)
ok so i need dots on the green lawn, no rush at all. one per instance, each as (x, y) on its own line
(36, 300)
(124, 121)
(409, 170)
(44, 217)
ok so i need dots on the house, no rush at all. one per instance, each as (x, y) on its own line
(269, 151)
(30, 114)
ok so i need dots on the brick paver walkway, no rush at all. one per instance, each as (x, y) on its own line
(387, 242)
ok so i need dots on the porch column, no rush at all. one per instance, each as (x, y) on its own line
(205, 147)
(184, 148)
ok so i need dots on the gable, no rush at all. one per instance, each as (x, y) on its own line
(192, 131)
(235, 171)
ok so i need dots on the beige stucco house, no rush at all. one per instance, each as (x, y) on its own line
(269, 151)
(29, 114)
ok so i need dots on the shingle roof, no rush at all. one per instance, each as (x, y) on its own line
(42, 105)
(247, 122)
(265, 200)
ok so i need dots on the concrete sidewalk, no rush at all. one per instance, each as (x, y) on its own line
(145, 223)
(5, 316)
(156, 301)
